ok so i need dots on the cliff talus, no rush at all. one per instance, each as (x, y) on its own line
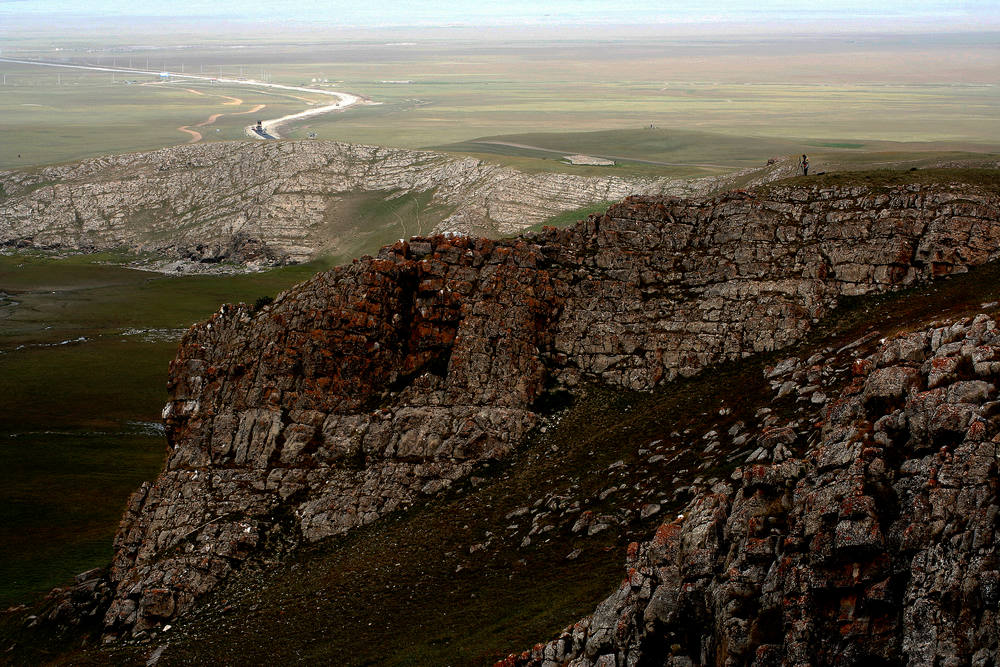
(379, 383)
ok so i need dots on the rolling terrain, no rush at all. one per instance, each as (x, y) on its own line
(632, 372)
(221, 205)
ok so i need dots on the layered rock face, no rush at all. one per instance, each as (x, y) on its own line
(276, 202)
(379, 383)
(875, 545)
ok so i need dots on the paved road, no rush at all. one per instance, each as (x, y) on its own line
(344, 100)
(607, 157)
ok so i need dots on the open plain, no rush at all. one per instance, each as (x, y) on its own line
(854, 95)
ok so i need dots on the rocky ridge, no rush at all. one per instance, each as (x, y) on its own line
(262, 203)
(378, 384)
(863, 533)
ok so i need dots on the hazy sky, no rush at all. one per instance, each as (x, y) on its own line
(933, 13)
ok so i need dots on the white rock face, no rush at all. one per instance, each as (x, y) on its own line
(272, 202)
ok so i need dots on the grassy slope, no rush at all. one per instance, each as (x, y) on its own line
(697, 153)
(656, 144)
(570, 218)
(987, 179)
(540, 162)
(361, 223)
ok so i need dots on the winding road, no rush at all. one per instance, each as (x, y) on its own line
(344, 100)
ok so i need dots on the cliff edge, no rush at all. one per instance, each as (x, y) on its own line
(376, 385)
(224, 205)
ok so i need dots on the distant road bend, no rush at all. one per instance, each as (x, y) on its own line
(344, 100)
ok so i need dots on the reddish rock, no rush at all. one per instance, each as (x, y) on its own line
(886, 555)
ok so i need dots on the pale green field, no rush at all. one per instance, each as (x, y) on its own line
(50, 114)
(794, 93)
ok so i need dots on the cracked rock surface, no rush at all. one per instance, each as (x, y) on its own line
(263, 203)
(872, 543)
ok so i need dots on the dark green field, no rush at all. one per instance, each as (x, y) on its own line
(84, 348)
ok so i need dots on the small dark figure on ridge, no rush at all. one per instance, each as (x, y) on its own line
(804, 163)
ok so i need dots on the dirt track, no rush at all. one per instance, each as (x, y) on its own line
(198, 136)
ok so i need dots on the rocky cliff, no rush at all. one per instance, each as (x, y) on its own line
(376, 385)
(264, 203)
(866, 537)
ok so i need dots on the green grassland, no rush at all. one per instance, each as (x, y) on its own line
(711, 151)
(897, 93)
(51, 115)
(84, 348)
(570, 218)
(703, 153)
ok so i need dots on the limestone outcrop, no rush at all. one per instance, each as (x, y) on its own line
(380, 383)
(872, 543)
(264, 203)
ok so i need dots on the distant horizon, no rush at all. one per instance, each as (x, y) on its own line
(741, 15)
(183, 32)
